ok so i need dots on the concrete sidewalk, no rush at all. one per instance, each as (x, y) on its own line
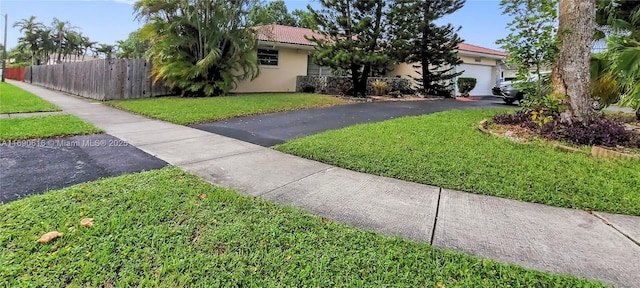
(597, 246)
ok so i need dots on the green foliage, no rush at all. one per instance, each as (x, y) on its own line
(276, 12)
(605, 91)
(416, 38)
(466, 84)
(105, 51)
(535, 90)
(202, 47)
(620, 21)
(152, 229)
(133, 47)
(447, 150)
(544, 108)
(351, 34)
(395, 94)
(20, 55)
(194, 110)
(540, 118)
(625, 68)
(532, 42)
(305, 19)
(273, 12)
(618, 17)
(40, 42)
(379, 87)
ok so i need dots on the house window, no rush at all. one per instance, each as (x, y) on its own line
(268, 57)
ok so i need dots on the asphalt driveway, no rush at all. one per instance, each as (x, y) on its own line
(35, 166)
(276, 128)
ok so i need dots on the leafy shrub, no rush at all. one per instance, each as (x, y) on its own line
(395, 94)
(605, 91)
(466, 84)
(346, 89)
(379, 87)
(600, 131)
(534, 91)
(520, 118)
(545, 109)
(309, 89)
(407, 90)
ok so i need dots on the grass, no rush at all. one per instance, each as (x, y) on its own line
(16, 100)
(44, 127)
(447, 150)
(153, 230)
(196, 110)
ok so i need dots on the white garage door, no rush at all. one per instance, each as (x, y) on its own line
(483, 75)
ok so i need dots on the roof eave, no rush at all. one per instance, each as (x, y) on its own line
(479, 54)
(275, 44)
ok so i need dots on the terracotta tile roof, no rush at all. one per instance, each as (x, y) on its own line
(286, 34)
(296, 35)
(478, 49)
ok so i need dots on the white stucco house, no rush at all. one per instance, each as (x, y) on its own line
(284, 54)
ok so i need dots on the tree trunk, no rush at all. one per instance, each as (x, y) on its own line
(570, 75)
(355, 76)
(363, 80)
(424, 61)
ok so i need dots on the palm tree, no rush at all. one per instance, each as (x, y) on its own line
(201, 47)
(47, 45)
(31, 37)
(106, 50)
(59, 29)
(70, 45)
(625, 68)
(621, 19)
(87, 45)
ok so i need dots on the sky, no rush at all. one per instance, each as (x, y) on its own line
(107, 21)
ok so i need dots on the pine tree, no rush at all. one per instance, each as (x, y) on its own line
(432, 48)
(351, 31)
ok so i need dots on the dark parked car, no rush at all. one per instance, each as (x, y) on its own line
(510, 94)
(495, 90)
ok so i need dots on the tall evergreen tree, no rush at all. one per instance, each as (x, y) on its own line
(432, 48)
(351, 32)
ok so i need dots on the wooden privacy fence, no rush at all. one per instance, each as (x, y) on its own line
(99, 79)
(15, 73)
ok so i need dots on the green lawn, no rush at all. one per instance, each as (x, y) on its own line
(44, 127)
(152, 229)
(195, 110)
(16, 100)
(446, 149)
